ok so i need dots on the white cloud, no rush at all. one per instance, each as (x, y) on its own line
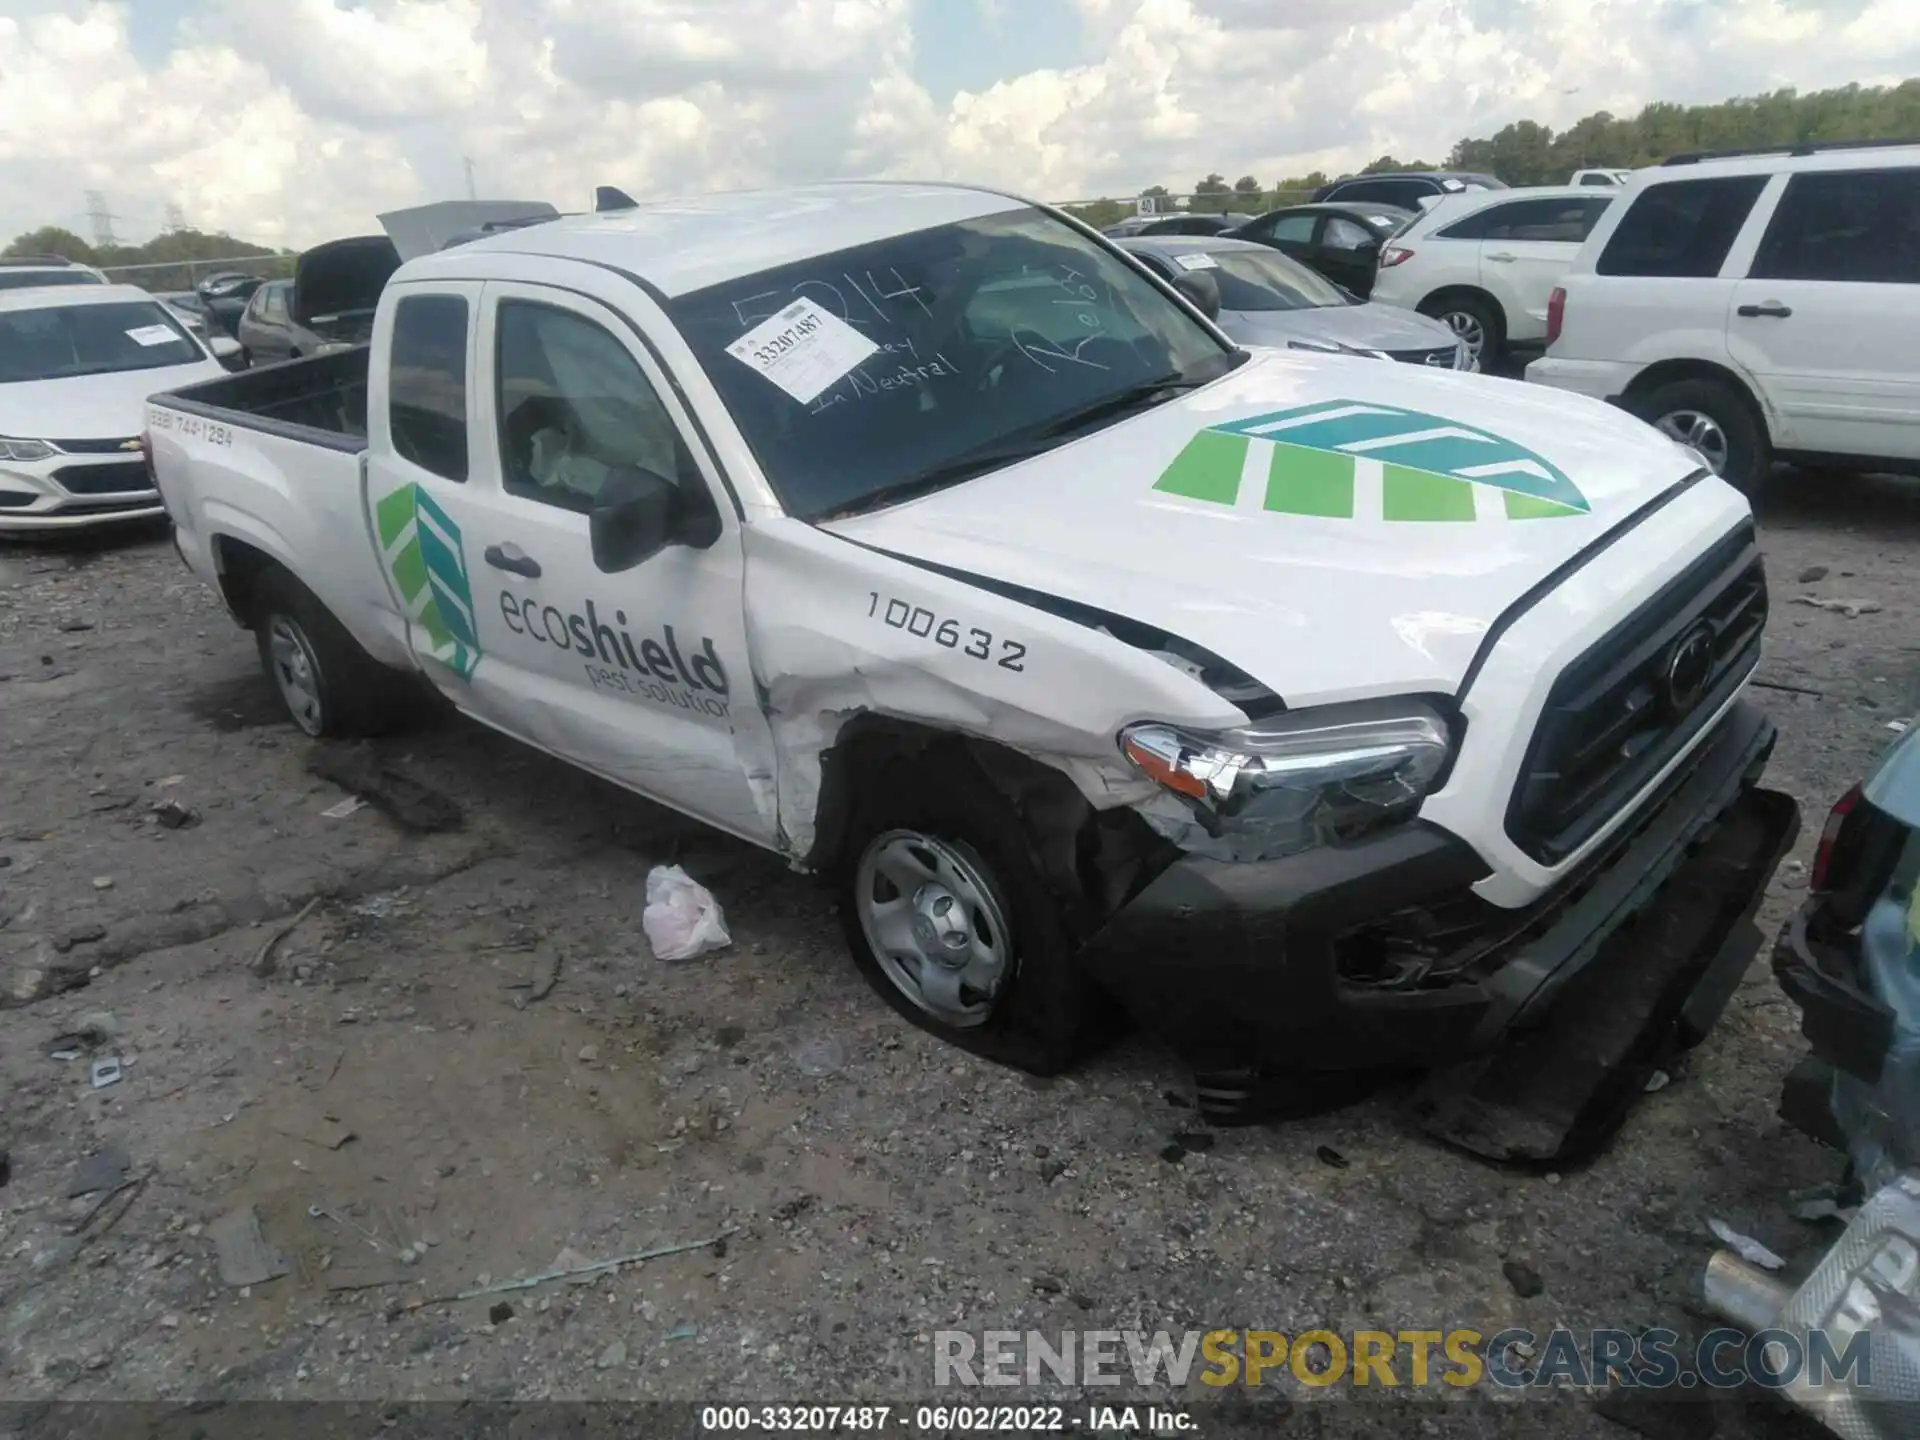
(295, 120)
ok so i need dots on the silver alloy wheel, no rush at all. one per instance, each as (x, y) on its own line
(935, 924)
(1468, 328)
(296, 672)
(1701, 432)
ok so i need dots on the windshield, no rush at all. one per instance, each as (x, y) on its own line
(852, 374)
(39, 279)
(1267, 280)
(67, 340)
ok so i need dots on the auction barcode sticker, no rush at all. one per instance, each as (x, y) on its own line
(803, 349)
(152, 335)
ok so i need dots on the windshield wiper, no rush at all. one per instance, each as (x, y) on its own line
(1133, 397)
(963, 466)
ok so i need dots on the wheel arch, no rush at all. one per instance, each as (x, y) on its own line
(240, 567)
(1091, 860)
(1670, 372)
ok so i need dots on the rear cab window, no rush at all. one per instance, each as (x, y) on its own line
(427, 384)
(1681, 228)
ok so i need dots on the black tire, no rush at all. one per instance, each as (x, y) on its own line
(353, 694)
(1043, 1016)
(1748, 454)
(1485, 314)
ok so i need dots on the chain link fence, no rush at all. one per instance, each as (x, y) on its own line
(162, 277)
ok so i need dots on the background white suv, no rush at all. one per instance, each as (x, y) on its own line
(1756, 306)
(1485, 263)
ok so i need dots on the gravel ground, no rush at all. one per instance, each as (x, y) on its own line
(876, 1186)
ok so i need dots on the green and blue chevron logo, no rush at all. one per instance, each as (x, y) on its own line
(421, 547)
(1320, 460)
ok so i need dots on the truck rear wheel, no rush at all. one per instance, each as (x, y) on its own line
(949, 921)
(329, 686)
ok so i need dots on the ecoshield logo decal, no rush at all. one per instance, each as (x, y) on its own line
(1322, 459)
(421, 547)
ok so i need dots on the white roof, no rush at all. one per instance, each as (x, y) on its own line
(1454, 207)
(1848, 157)
(685, 245)
(55, 297)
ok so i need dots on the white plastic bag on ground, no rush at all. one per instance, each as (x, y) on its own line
(682, 919)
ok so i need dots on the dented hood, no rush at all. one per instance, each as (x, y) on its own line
(1335, 527)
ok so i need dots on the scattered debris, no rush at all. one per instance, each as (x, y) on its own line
(1852, 609)
(1048, 1284)
(74, 627)
(682, 919)
(324, 1132)
(592, 1267)
(105, 1169)
(588, 1054)
(1052, 1170)
(1899, 727)
(546, 974)
(1658, 1081)
(352, 805)
(1524, 1279)
(499, 1313)
(682, 1331)
(1194, 1141)
(1789, 689)
(6, 1166)
(819, 1055)
(263, 964)
(244, 1256)
(103, 882)
(1745, 1246)
(172, 815)
(792, 1209)
(92, 1030)
(1173, 1154)
(614, 1355)
(107, 1072)
(1327, 1155)
(78, 935)
(1813, 573)
(357, 769)
(1825, 1202)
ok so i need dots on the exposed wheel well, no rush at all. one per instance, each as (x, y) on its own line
(1092, 860)
(1667, 372)
(241, 565)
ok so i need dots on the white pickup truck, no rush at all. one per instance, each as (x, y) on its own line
(1335, 716)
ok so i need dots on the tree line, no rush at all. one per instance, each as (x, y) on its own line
(173, 250)
(1529, 153)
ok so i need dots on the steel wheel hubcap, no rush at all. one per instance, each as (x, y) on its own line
(1700, 431)
(1468, 328)
(296, 672)
(935, 924)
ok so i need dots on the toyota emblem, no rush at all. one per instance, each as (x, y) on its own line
(1689, 669)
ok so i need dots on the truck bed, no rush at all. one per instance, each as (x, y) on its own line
(319, 401)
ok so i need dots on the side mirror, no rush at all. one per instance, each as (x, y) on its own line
(1201, 290)
(633, 519)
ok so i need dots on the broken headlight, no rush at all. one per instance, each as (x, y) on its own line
(1303, 778)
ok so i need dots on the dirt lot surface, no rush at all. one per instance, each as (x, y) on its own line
(872, 1185)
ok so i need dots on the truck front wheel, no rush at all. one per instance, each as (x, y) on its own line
(328, 684)
(950, 922)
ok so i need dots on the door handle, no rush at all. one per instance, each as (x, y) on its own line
(1773, 309)
(1502, 257)
(513, 559)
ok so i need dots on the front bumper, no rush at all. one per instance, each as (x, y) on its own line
(72, 491)
(1255, 972)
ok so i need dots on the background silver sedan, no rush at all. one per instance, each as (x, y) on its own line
(1260, 297)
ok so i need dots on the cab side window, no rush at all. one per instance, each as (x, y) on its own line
(427, 384)
(574, 407)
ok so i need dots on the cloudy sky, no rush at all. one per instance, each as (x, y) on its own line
(291, 121)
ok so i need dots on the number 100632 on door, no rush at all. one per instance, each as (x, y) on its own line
(946, 632)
